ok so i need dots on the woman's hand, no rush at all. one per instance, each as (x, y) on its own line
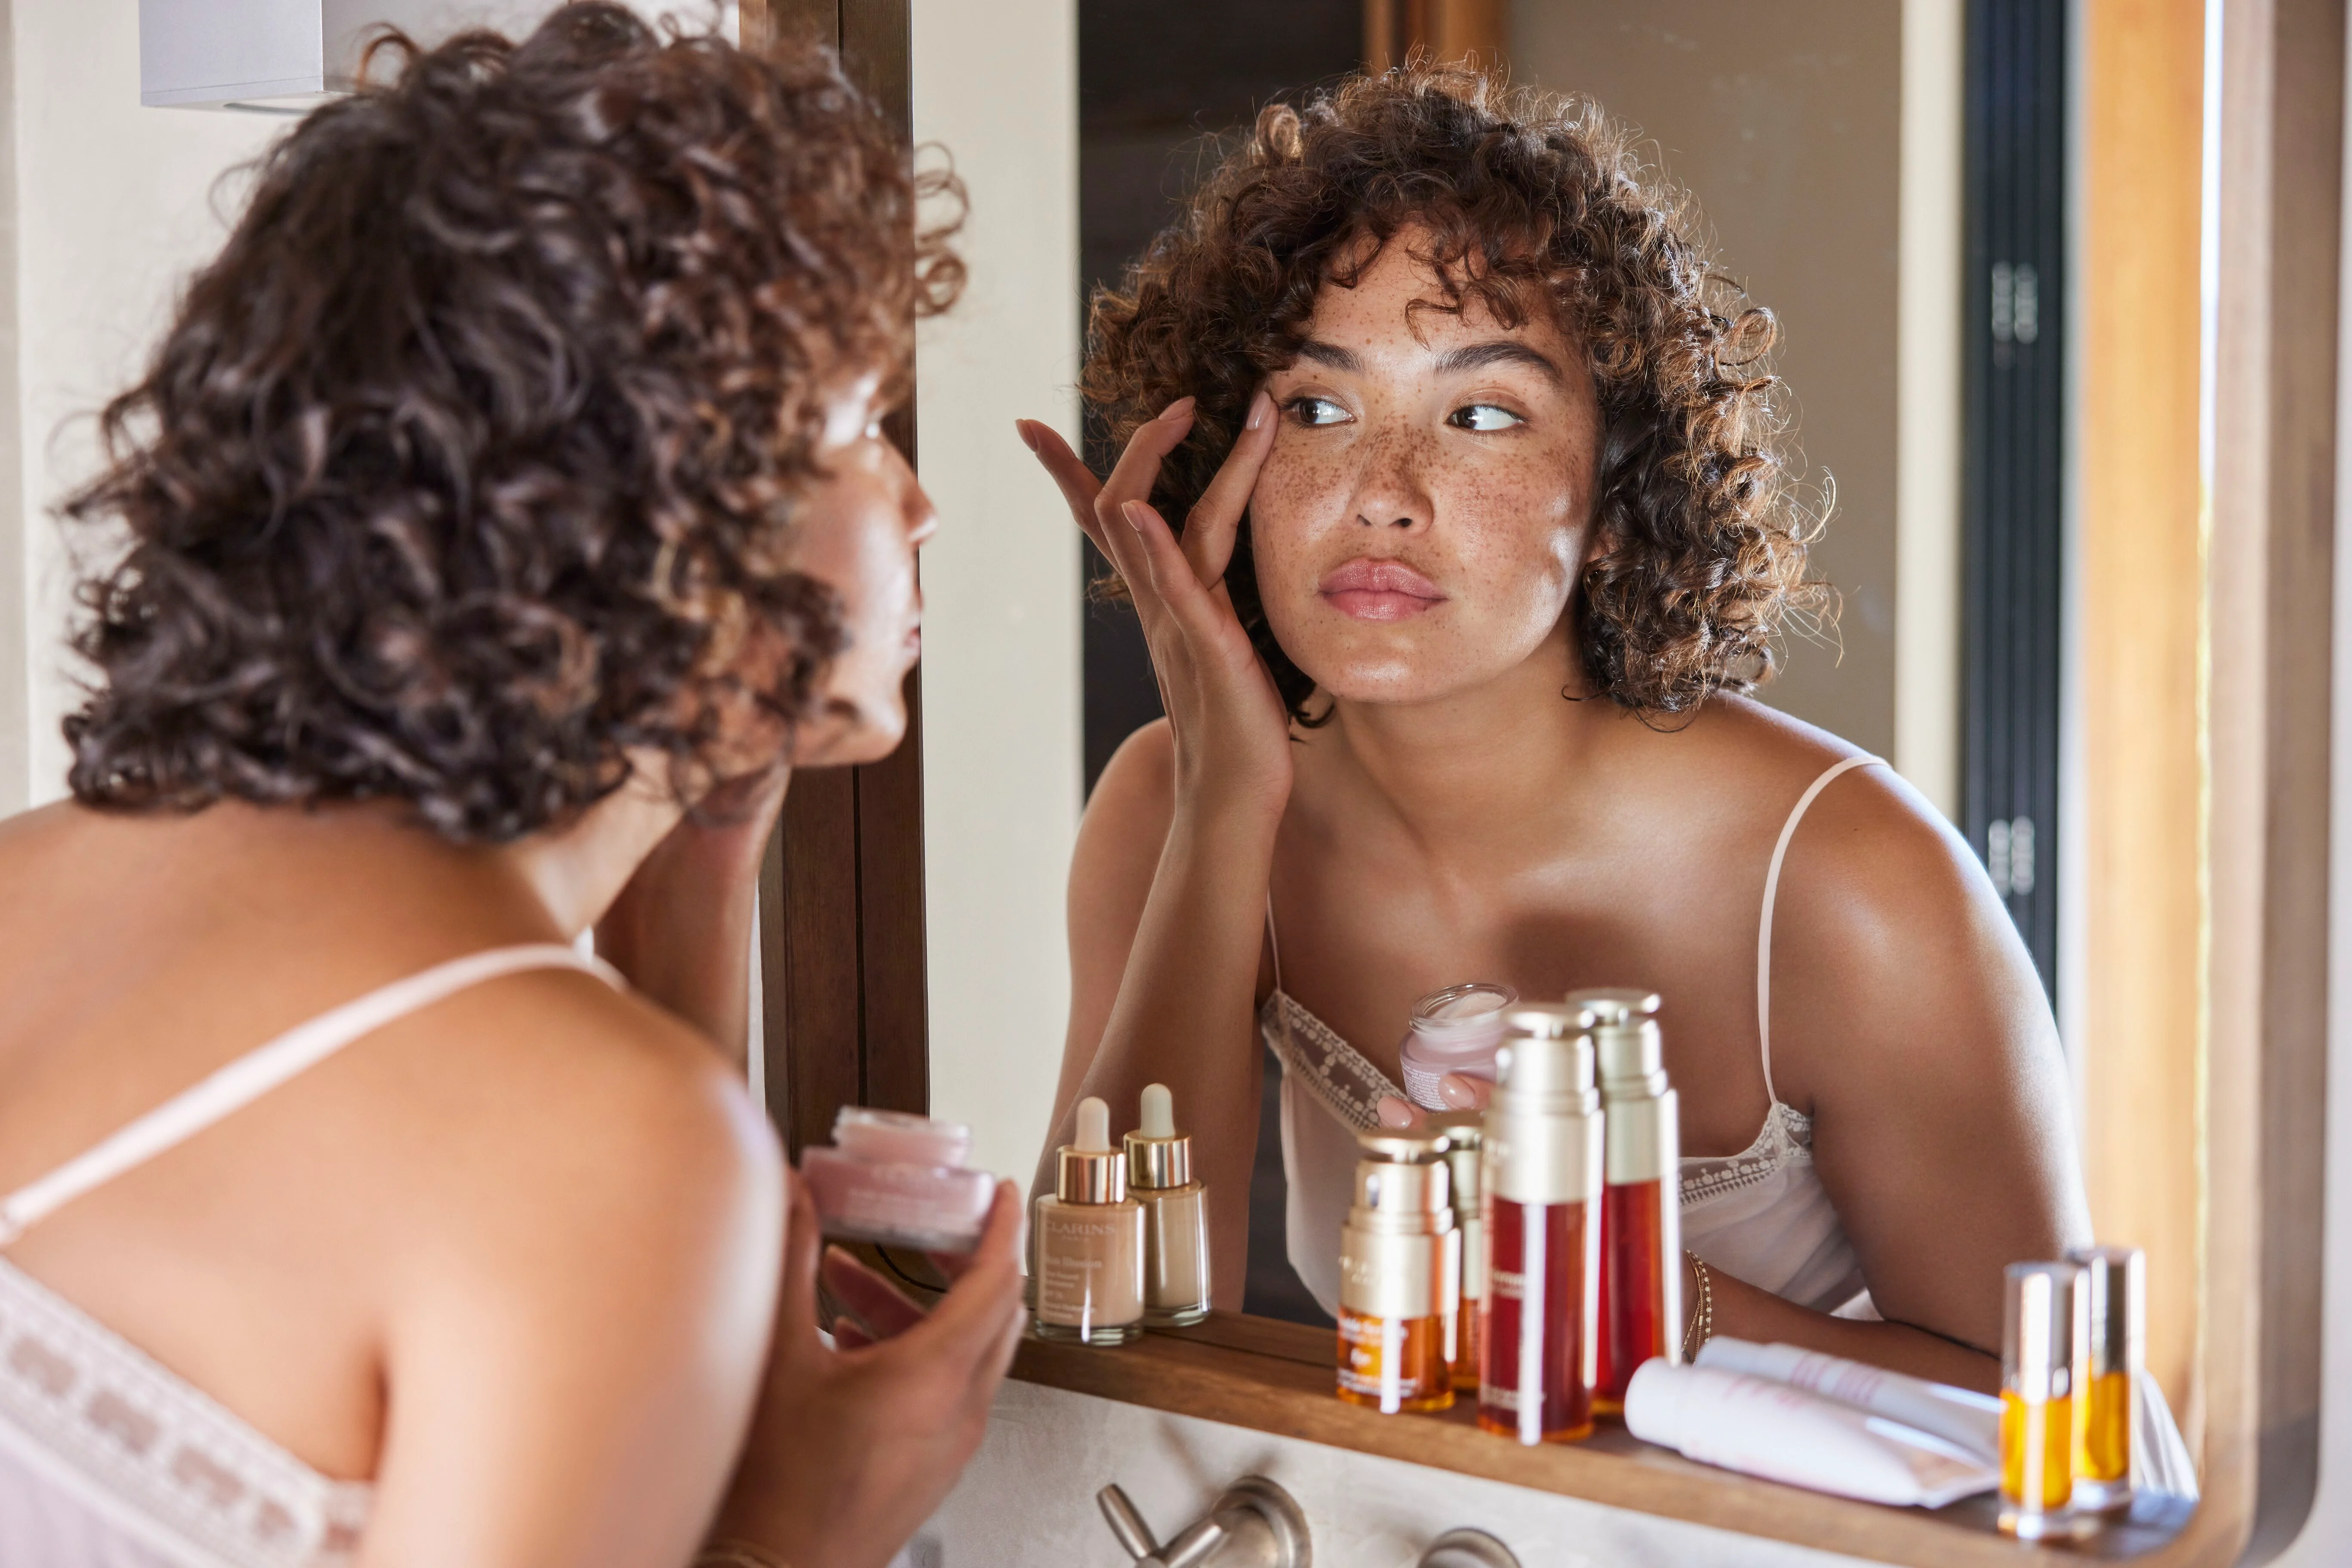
(681, 929)
(1232, 731)
(852, 1448)
(1458, 1090)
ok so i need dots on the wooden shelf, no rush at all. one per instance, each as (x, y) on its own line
(1276, 1377)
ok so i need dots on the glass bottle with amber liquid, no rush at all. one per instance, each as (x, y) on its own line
(1465, 1141)
(2043, 1343)
(1641, 1193)
(1543, 1232)
(1400, 1277)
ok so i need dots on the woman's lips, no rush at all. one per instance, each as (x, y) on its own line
(1380, 590)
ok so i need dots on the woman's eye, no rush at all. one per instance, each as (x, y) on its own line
(1484, 416)
(1316, 411)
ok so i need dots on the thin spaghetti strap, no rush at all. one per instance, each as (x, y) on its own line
(253, 1074)
(1771, 890)
(1272, 941)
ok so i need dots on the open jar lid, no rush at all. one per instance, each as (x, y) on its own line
(1463, 1012)
(898, 1137)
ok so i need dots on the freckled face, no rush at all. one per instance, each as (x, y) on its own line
(1419, 524)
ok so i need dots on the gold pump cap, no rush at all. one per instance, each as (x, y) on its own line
(1088, 1169)
(1624, 1025)
(1545, 1066)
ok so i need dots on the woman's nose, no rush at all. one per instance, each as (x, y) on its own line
(1392, 492)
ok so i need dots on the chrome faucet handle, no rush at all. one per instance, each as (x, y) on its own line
(1254, 1525)
(1467, 1549)
(1126, 1521)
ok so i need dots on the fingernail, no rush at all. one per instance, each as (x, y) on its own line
(1021, 429)
(1455, 1090)
(1133, 512)
(1260, 409)
(1181, 409)
(1395, 1112)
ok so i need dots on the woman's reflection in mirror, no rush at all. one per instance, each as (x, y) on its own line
(1456, 504)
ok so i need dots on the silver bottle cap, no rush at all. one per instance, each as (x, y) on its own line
(2042, 1332)
(2115, 1289)
(1624, 1025)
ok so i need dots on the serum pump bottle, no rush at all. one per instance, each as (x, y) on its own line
(1089, 1242)
(1400, 1277)
(1543, 1232)
(1175, 1215)
(1640, 1194)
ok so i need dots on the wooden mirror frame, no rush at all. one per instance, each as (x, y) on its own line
(843, 931)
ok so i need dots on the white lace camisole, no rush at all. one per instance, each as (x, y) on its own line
(107, 1459)
(1761, 1216)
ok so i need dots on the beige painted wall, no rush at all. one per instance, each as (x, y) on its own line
(1001, 656)
(1785, 121)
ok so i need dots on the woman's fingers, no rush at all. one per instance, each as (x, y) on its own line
(878, 1306)
(1209, 530)
(1463, 1093)
(1400, 1114)
(1168, 569)
(1069, 473)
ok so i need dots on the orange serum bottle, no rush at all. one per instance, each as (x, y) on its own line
(1641, 1193)
(1465, 1142)
(2114, 1288)
(2042, 1359)
(1400, 1277)
(1543, 1231)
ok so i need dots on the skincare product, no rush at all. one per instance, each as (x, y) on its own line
(2113, 1284)
(1089, 1242)
(2042, 1362)
(899, 1180)
(1465, 1138)
(1764, 1428)
(1543, 1232)
(1175, 1215)
(1400, 1277)
(1453, 1030)
(1966, 1419)
(1641, 1196)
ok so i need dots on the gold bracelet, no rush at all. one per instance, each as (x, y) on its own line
(1702, 1319)
(736, 1554)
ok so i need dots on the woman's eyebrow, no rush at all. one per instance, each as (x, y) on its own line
(1497, 351)
(1330, 356)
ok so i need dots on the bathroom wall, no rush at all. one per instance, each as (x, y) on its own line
(1786, 123)
(996, 85)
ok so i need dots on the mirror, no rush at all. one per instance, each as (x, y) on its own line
(2012, 536)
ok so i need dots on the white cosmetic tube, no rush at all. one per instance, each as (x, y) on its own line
(1764, 1428)
(1969, 1421)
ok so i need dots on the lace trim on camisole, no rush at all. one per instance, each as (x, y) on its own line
(1785, 1139)
(99, 1419)
(1312, 1052)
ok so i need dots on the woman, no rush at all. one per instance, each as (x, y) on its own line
(1484, 533)
(503, 510)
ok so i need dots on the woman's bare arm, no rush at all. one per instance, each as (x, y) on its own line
(1181, 1007)
(574, 1331)
(1165, 938)
(1908, 1021)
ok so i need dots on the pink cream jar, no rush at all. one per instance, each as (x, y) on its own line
(899, 1180)
(1457, 1029)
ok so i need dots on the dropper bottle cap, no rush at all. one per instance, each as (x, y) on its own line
(1089, 1170)
(1158, 1155)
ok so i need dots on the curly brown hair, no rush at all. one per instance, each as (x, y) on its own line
(472, 461)
(1528, 201)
